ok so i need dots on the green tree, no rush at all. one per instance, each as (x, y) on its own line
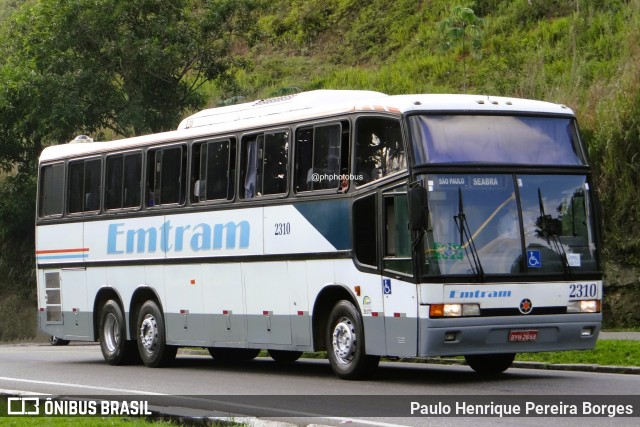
(128, 67)
(131, 66)
(464, 27)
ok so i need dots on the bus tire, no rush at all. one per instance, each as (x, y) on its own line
(285, 356)
(228, 355)
(490, 364)
(345, 343)
(115, 348)
(152, 340)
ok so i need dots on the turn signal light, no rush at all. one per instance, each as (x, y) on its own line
(454, 310)
(584, 306)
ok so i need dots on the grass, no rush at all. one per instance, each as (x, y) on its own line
(83, 421)
(606, 353)
(55, 421)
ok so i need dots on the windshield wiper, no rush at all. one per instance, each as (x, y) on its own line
(465, 235)
(550, 234)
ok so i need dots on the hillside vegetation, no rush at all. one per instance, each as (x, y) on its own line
(581, 53)
(584, 54)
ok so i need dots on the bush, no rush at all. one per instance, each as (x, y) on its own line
(17, 318)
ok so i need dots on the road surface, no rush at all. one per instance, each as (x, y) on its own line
(305, 392)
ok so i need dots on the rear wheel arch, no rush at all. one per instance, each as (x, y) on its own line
(104, 294)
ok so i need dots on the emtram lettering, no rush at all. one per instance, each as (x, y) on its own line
(200, 237)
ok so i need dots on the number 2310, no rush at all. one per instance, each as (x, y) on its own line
(282, 228)
(583, 290)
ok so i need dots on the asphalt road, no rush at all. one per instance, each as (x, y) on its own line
(307, 391)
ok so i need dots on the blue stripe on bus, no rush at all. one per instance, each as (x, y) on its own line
(331, 218)
(45, 257)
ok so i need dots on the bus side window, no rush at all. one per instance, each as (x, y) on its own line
(397, 237)
(303, 159)
(84, 186)
(113, 193)
(263, 162)
(132, 180)
(364, 231)
(165, 176)
(51, 190)
(251, 164)
(213, 170)
(318, 157)
(123, 177)
(379, 148)
(276, 147)
(92, 184)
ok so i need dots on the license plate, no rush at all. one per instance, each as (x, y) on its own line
(523, 336)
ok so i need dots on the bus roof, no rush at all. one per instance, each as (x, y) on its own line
(304, 106)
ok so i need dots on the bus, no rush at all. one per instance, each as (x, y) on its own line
(352, 222)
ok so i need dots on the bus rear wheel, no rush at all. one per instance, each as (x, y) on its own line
(490, 364)
(285, 356)
(345, 344)
(152, 345)
(115, 348)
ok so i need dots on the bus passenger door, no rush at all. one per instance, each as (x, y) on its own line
(399, 293)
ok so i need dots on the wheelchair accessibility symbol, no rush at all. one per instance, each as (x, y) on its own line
(386, 286)
(534, 259)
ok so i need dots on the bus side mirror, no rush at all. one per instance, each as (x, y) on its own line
(418, 212)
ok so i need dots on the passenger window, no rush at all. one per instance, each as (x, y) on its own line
(166, 169)
(397, 237)
(263, 162)
(365, 220)
(319, 160)
(51, 190)
(83, 190)
(379, 148)
(213, 170)
(123, 181)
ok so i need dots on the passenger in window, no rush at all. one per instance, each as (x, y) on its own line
(344, 181)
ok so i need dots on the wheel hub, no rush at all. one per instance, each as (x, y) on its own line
(149, 332)
(111, 332)
(344, 341)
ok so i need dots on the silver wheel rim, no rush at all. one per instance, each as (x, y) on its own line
(111, 332)
(344, 341)
(149, 332)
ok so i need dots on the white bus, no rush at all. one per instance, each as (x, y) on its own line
(354, 222)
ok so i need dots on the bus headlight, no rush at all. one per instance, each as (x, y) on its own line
(584, 306)
(454, 310)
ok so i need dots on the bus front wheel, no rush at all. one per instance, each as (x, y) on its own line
(115, 348)
(152, 344)
(345, 343)
(490, 364)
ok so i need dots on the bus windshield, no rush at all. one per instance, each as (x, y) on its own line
(508, 224)
(495, 139)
